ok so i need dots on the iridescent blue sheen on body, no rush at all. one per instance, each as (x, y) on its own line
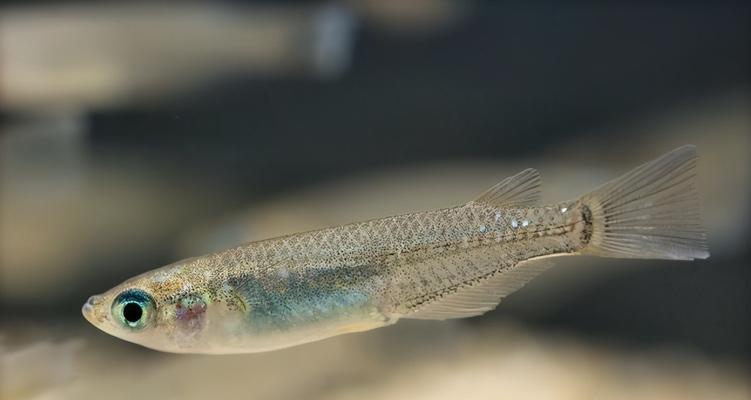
(282, 301)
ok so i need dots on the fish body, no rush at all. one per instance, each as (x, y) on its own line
(451, 263)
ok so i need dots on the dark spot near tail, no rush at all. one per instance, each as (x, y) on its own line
(587, 218)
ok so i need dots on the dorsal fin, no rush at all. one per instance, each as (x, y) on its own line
(484, 295)
(522, 189)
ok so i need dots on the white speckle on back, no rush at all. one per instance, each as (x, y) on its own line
(525, 223)
(483, 229)
(161, 276)
(564, 209)
(187, 288)
(514, 224)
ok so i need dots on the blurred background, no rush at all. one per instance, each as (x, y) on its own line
(134, 134)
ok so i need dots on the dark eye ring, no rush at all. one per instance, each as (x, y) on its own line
(133, 308)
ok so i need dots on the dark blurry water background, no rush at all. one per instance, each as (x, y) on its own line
(137, 134)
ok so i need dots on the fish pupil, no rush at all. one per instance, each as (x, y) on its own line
(132, 312)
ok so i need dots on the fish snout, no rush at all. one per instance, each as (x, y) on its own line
(89, 308)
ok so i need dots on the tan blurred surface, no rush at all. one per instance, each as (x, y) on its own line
(417, 360)
(73, 56)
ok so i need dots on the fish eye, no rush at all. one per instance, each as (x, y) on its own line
(133, 308)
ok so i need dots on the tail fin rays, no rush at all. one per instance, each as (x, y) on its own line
(651, 212)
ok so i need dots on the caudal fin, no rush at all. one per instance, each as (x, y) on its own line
(651, 212)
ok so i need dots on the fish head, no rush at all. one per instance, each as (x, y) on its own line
(167, 309)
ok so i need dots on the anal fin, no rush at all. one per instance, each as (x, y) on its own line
(483, 295)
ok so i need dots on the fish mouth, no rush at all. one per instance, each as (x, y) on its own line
(89, 309)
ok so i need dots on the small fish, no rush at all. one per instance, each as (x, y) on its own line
(451, 263)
